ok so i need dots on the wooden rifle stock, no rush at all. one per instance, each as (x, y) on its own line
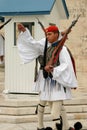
(42, 26)
(56, 51)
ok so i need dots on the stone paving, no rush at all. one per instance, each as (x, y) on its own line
(21, 126)
(17, 126)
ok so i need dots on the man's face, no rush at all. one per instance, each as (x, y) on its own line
(20, 27)
(52, 37)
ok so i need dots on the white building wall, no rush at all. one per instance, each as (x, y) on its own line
(18, 77)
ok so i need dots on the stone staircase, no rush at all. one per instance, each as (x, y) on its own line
(20, 108)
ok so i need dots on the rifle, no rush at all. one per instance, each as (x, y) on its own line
(5, 23)
(56, 52)
(45, 74)
(42, 26)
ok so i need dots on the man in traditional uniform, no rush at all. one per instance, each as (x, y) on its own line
(60, 79)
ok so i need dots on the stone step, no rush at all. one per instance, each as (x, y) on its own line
(78, 116)
(32, 100)
(33, 118)
(20, 111)
(18, 102)
(74, 108)
(76, 101)
(16, 108)
(31, 110)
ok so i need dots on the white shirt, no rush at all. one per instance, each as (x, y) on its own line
(30, 49)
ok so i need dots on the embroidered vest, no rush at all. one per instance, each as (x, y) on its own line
(48, 56)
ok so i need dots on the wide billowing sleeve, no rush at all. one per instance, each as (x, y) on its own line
(28, 48)
(64, 73)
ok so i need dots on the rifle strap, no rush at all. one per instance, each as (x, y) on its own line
(72, 59)
(45, 52)
(45, 74)
(36, 70)
(71, 56)
(59, 48)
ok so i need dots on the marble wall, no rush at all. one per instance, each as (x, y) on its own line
(77, 39)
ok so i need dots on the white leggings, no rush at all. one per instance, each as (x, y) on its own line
(57, 109)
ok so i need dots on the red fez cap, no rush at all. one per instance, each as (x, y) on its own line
(52, 29)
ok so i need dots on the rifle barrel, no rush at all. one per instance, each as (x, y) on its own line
(73, 24)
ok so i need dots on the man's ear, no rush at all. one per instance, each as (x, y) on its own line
(57, 35)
